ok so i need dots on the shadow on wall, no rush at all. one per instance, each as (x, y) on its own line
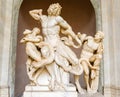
(78, 13)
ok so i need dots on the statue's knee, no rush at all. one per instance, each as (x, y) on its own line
(86, 72)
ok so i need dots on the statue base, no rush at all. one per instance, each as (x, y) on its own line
(90, 95)
(44, 91)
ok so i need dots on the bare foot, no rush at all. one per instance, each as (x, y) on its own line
(80, 90)
(52, 85)
(89, 91)
(77, 70)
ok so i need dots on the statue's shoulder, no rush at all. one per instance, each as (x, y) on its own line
(43, 17)
(59, 18)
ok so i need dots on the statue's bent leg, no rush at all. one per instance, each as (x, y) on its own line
(32, 51)
(67, 53)
(95, 76)
(86, 74)
(95, 82)
(48, 56)
(51, 69)
(62, 61)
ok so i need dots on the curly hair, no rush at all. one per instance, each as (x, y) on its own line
(54, 9)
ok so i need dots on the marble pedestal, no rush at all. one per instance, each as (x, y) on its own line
(43, 91)
(91, 95)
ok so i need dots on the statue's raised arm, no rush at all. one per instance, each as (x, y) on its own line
(36, 14)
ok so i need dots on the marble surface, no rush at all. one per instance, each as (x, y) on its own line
(69, 87)
(51, 94)
(91, 95)
(43, 91)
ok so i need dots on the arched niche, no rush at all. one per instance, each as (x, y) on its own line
(80, 14)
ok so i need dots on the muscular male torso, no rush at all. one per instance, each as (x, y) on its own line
(88, 48)
(50, 29)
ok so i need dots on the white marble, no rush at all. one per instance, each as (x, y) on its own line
(44, 91)
(54, 59)
(42, 88)
(50, 94)
(50, 56)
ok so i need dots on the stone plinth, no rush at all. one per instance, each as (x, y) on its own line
(43, 91)
(91, 95)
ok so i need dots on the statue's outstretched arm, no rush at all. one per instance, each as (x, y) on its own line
(67, 30)
(63, 23)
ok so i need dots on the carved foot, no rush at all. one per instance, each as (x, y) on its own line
(52, 85)
(81, 91)
(89, 90)
(92, 91)
(76, 70)
(60, 86)
(55, 86)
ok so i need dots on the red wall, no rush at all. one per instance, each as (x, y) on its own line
(78, 13)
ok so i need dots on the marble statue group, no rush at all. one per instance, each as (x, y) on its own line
(50, 60)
